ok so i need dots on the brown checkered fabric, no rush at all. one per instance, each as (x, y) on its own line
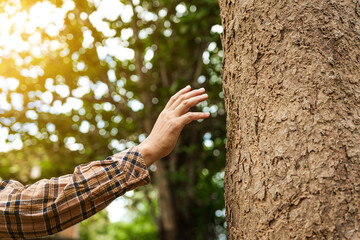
(51, 205)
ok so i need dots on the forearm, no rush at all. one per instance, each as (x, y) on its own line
(49, 206)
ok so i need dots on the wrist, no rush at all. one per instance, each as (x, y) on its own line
(146, 153)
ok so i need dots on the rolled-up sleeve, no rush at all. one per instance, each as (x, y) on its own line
(51, 205)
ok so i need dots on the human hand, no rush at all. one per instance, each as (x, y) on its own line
(165, 133)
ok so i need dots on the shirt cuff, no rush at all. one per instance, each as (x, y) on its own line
(133, 163)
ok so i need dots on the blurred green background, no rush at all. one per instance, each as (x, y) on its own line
(81, 80)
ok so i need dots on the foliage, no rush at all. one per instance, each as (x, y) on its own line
(71, 91)
(141, 226)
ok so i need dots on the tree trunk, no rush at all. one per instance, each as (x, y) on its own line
(167, 223)
(291, 72)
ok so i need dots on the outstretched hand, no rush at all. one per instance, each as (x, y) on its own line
(170, 123)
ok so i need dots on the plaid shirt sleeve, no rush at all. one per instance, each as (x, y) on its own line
(51, 205)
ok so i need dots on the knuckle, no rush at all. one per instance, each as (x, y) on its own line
(190, 118)
(165, 115)
(162, 114)
(173, 123)
(186, 102)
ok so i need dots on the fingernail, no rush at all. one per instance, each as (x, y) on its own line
(188, 86)
(204, 95)
(202, 89)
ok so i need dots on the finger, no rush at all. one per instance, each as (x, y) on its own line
(185, 105)
(186, 96)
(191, 116)
(176, 96)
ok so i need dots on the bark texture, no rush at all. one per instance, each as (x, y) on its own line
(291, 73)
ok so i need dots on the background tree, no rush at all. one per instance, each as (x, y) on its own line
(291, 73)
(93, 75)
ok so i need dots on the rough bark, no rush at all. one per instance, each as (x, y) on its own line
(291, 73)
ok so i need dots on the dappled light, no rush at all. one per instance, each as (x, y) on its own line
(81, 80)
